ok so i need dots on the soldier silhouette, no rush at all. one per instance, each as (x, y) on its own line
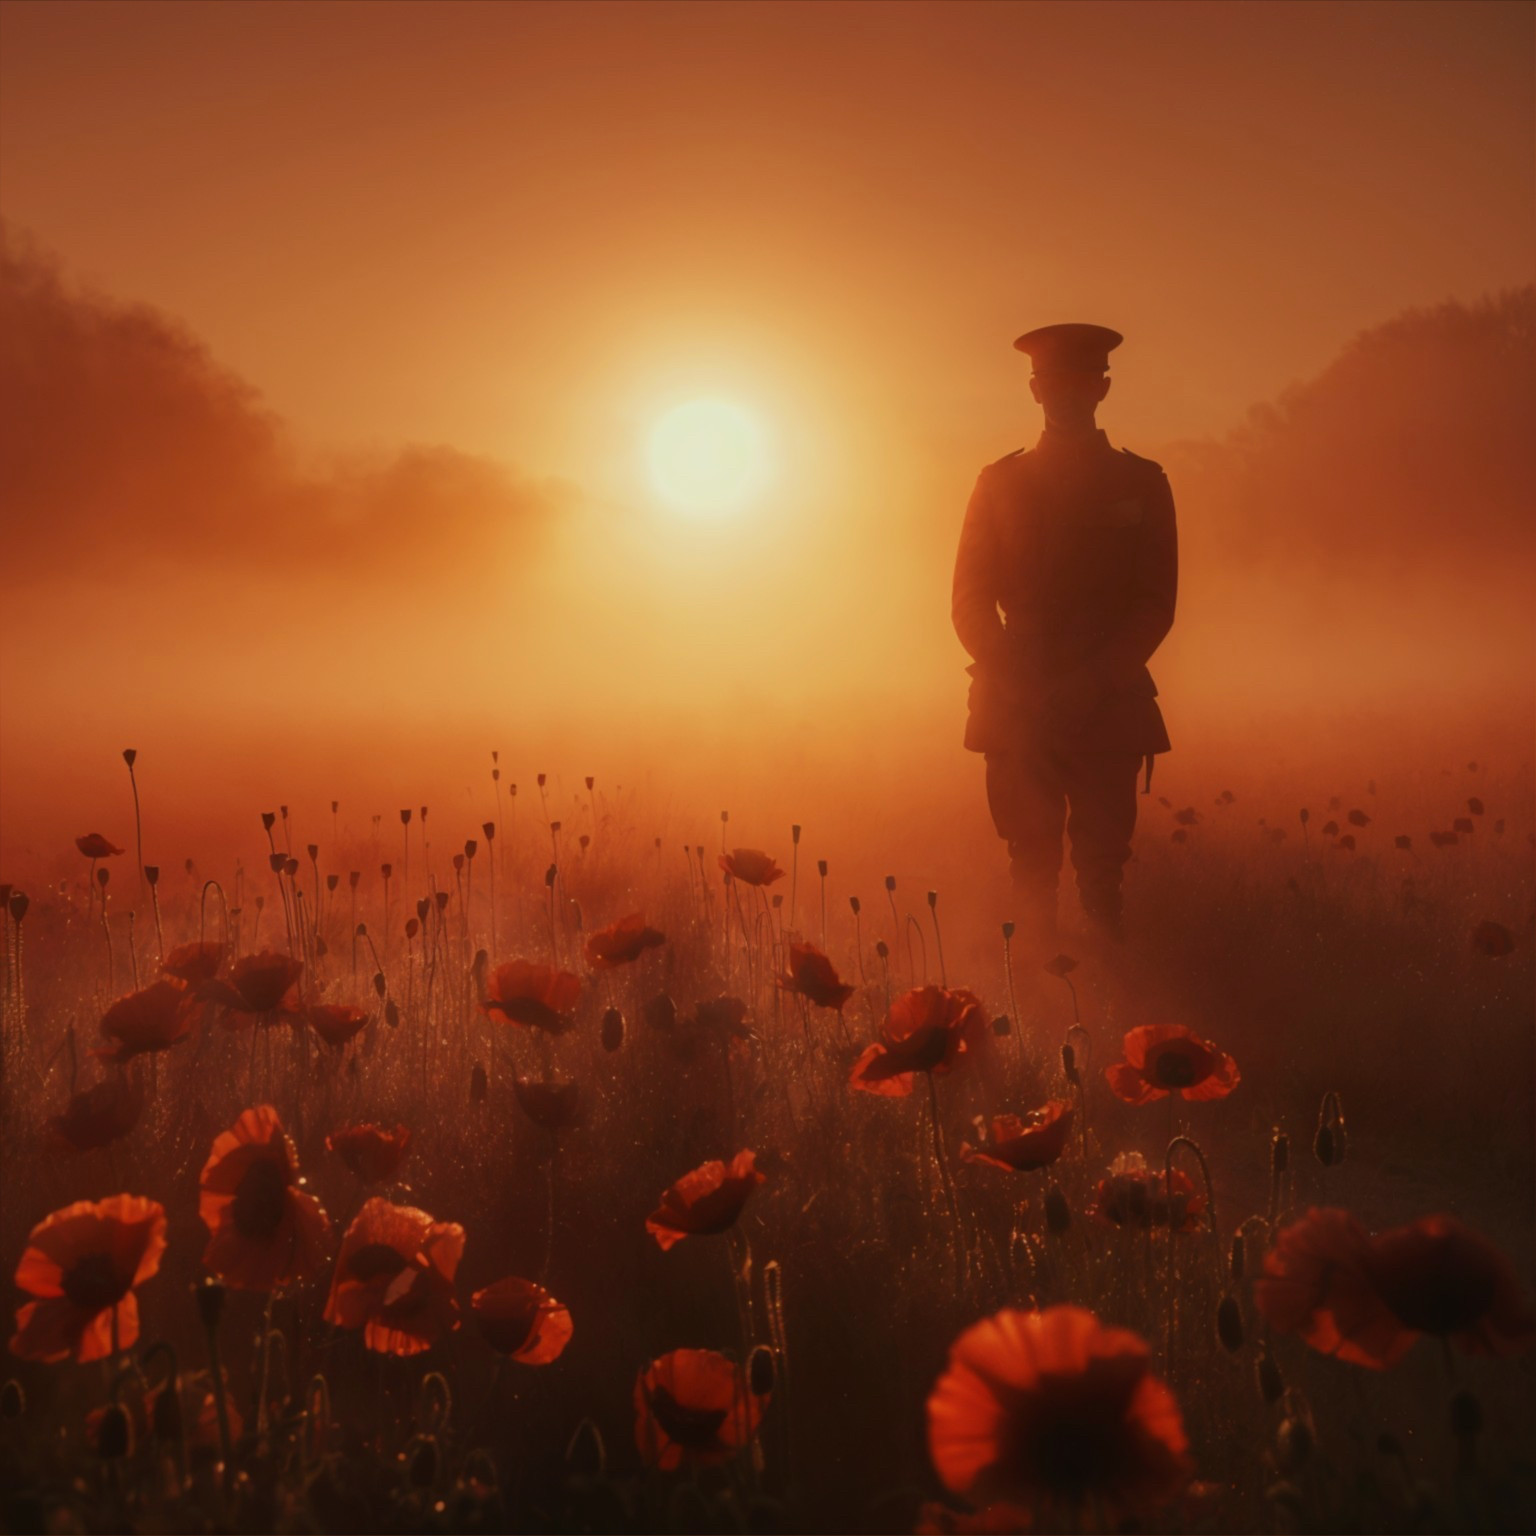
(1064, 587)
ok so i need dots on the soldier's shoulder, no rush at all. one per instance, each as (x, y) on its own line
(1004, 465)
(1134, 461)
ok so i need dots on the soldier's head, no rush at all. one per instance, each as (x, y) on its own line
(1071, 371)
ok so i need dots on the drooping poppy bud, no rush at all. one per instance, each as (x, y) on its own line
(1229, 1324)
(760, 1370)
(613, 1029)
(1058, 1214)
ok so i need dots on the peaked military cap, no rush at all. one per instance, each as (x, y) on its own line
(1085, 347)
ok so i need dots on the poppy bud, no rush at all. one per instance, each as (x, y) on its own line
(586, 1455)
(209, 1295)
(724, 815)
(613, 1029)
(392, 1014)
(1293, 1445)
(114, 1433)
(549, 876)
(442, 900)
(933, 900)
(362, 928)
(479, 1084)
(291, 866)
(166, 1415)
(1058, 1214)
(760, 1367)
(423, 813)
(1002, 1025)
(660, 1012)
(422, 908)
(1322, 1144)
(1279, 1152)
(794, 833)
(458, 862)
(379, 982)
(283, 811)
(1229, 1324)
(470, 847)
(890, 882)
(353, 877)
(489, 828)
(412, 927)
(821, 868)
(267, 819)
(1007, 931)
(332, 881)
(405, 816)
(1069, 1063)
(129, 753)
(313, 850)
(1237, 1256)
(152, 874)
(1271, 1383)
(853, 901)
(423, 1464)
(1466, 1416)
(882, 949)
(190, 866)
(554, 826)
(102, 876)
(13, 1401)
(778, 900)
(335, 806)
(386, 870)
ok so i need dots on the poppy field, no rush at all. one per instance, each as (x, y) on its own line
(581, 1168)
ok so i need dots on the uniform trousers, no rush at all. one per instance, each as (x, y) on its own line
(1037, 792)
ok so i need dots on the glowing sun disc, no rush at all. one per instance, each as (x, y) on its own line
(707, 456)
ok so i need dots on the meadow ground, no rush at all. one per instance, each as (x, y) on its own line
(545, 1119)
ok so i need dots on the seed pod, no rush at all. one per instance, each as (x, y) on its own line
(1322, 1144)
(114, 1434)
(275, 862)
(479, 1084)
(353, 877)
(890, 882)
(13, 1400)
(586, 1454)
(129, 753)
(1271, 1383)
(152, 873)
(1069, 1063)
(1229, 1324)
(489, 828)
(379, 984)
(392, 1014)
(794, 833)
(821, 868)
(882, 949)
(19, 904)
(853, 901)
(1058, 1214)
(549, 875)
(1236, 1266)
(209, 1295)
(471, 847)
(267, 819)
(1293, 1445)
(1008, 931)
(760, 1370)
(332, 881)
(613, 1029)
(1002, 1025)
(313, 850)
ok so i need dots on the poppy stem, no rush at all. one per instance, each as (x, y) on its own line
(962, 1256)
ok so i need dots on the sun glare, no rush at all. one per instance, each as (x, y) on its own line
(707, 457)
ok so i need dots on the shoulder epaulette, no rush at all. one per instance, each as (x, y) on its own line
(1137, 458)
(1017, 453)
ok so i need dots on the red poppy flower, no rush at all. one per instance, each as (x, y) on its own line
(813, 976)
(1316, 1283)
(522, 1320)
(1134, 1196)
(1438, 1276)
(621, 942)
(194, 962)
(693, 1405)
(1168, 1058)
(751, 866)
(335, 1023)
(553, 1103)
(927, 1030)
(151, 1020)
(94, 846)
(536, 995)
(258, 984)
(704, 1202)
(1054, 1405)
(373, 1154)
(266, 1231)
(394, 1278)
(1028, 1144)
(99, 1115)
(81, 1265)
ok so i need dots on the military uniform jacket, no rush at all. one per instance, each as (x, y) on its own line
(1064, 587)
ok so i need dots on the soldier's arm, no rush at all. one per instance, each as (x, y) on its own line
(974, 600)
(1147, 618)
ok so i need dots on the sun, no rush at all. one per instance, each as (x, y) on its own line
(707, 457)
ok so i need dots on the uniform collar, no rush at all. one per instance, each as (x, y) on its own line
(1073, 445)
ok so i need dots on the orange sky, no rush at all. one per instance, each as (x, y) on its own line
(424, 275)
